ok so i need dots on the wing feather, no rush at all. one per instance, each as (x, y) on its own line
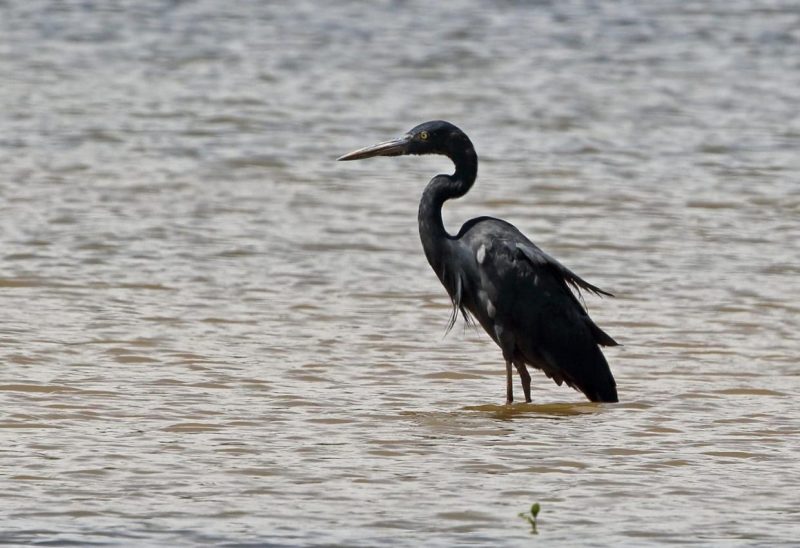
(530, 297)
(539, 258)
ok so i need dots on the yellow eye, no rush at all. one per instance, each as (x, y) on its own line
(423, 135)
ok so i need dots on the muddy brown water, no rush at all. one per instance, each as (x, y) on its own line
(212, 333)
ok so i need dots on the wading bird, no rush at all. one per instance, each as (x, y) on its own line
(492, 272)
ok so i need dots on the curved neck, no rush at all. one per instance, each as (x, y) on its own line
(440, 189)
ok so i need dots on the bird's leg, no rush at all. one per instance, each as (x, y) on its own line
(509, 384)
(505, 339)
(525, 377)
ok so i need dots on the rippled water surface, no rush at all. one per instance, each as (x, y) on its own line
(212, 333)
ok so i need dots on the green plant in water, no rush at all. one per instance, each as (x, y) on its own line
(531, 517)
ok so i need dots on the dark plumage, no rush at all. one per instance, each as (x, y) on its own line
(493, 273)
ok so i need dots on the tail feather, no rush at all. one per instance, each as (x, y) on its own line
(586, 371)
(597, 383)
(604, 393)
(600, 337)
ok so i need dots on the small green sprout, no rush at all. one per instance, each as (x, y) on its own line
(532, 517)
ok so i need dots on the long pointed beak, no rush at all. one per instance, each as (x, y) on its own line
(395, 147)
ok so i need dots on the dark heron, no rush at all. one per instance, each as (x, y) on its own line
(492, 272)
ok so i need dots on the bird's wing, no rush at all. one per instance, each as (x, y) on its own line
(529, 295)
(537, 257)
(506, 241)
(551, 329)
(541, 260)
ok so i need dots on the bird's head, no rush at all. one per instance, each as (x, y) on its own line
(436, 137)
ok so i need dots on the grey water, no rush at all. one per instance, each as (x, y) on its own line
(211, 332)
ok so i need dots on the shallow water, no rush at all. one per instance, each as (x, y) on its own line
(214, 333)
